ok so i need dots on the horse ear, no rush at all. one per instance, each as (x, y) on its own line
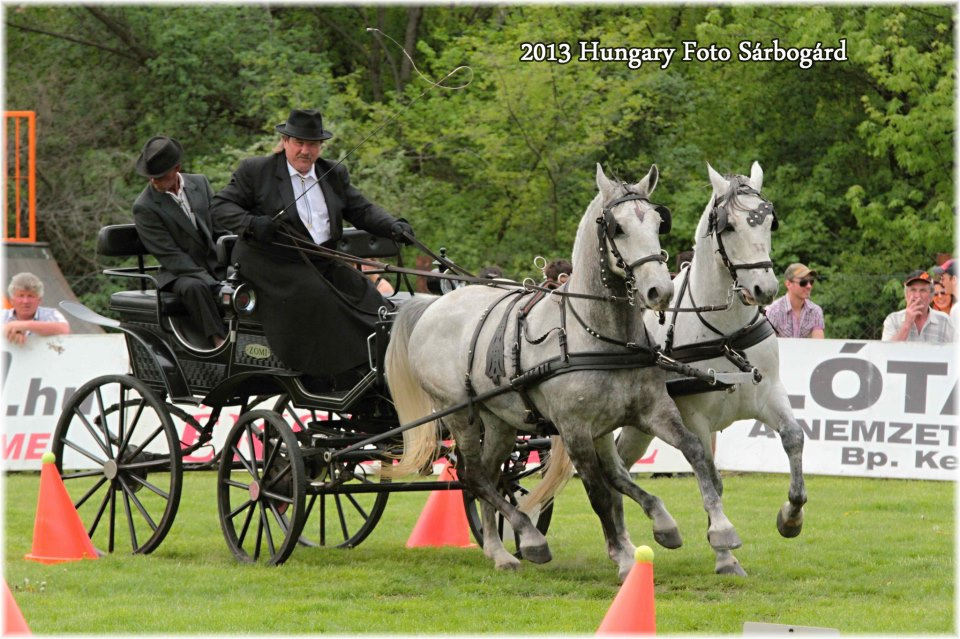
(649, 183)
(719, 183)
(603, 183)
(756, 176)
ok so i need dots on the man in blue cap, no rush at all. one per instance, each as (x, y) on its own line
(317, 313)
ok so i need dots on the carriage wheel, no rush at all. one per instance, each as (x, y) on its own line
(514, 472)
(344, 519)
(261, 487)
(119, 456)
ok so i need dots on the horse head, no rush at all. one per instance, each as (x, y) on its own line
(628, 232)
(739, 221)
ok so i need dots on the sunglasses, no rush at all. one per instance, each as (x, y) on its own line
(804, 282)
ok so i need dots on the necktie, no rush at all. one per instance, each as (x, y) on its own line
(185, 207)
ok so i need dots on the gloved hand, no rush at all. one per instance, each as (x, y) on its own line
(262, 228)
(398, 229)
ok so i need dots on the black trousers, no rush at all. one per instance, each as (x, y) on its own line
(201, 304)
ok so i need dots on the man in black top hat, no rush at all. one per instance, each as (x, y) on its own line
(316, 313)
(172, 216)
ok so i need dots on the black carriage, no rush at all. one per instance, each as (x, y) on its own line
(298, 450)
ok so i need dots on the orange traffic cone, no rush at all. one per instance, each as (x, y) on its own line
(632, 611)
(443, 521)
(13, 621)
(58, 533)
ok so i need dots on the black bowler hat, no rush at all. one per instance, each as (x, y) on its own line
(305, 124)
(159, 155)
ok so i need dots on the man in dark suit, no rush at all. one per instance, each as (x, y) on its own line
(317, 313)
(172, 216)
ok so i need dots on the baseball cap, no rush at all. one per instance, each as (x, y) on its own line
(917, 276)
(798, 270)
(950, 267)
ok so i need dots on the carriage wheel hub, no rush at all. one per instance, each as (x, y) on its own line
(110, 469)
(255, 491)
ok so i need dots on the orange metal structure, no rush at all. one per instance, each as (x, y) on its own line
(19, 177)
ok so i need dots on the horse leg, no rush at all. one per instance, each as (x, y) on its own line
(603, 498)
(533, 545)
(665, 531)
(778, 414)
(498, 442)
(666, 424)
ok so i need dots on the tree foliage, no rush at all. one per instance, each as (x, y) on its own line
(858, 153)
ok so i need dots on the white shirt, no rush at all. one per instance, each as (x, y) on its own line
(180, 197)
(312, 207)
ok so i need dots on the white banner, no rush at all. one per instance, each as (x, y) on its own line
(38, 378)
(871, 409)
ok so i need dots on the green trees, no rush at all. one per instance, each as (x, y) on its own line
(858, 154)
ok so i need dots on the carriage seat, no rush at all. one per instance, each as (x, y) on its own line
(122, 240)
(359, 243)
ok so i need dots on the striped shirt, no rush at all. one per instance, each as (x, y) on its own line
(937, 329)
(780, 314)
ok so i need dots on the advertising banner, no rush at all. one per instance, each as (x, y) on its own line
(870, 409)
(38, 378)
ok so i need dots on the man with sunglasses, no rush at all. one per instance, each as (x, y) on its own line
(794, 315)
(918, 322)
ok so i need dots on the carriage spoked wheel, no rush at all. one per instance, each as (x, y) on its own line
(344, 518)
(119, 456)
(515, 473)
(261, 488)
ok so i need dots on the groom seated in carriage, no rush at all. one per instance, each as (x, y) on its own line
(317, 313)
(172, 216)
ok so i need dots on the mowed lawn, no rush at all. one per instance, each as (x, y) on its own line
(875, 556)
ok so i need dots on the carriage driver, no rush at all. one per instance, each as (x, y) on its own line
(172, 216)
(317, 313)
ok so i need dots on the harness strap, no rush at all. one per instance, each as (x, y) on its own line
(468, 380)
(495, 366)
(729, 346)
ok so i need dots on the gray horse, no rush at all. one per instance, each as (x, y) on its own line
(573, 361)
(730, 276)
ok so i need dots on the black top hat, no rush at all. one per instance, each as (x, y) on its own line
(159, 155)
(305, 124)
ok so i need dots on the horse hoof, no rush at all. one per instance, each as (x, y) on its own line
(731, 568)
(513, 564)
(724, 539)
(537, 554)
(789, 529)
(668, 538)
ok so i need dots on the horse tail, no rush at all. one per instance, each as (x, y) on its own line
(421, 444)
(557, 470)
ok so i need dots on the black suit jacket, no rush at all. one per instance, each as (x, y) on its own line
(181, 249)
(261, 186)
(316, 313)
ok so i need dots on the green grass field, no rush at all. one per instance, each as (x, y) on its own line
(875, 556)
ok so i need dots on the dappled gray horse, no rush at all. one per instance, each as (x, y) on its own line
(731, 272)
(573, 360)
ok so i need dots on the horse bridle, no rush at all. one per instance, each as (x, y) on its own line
(717, 224)
(608, 228)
